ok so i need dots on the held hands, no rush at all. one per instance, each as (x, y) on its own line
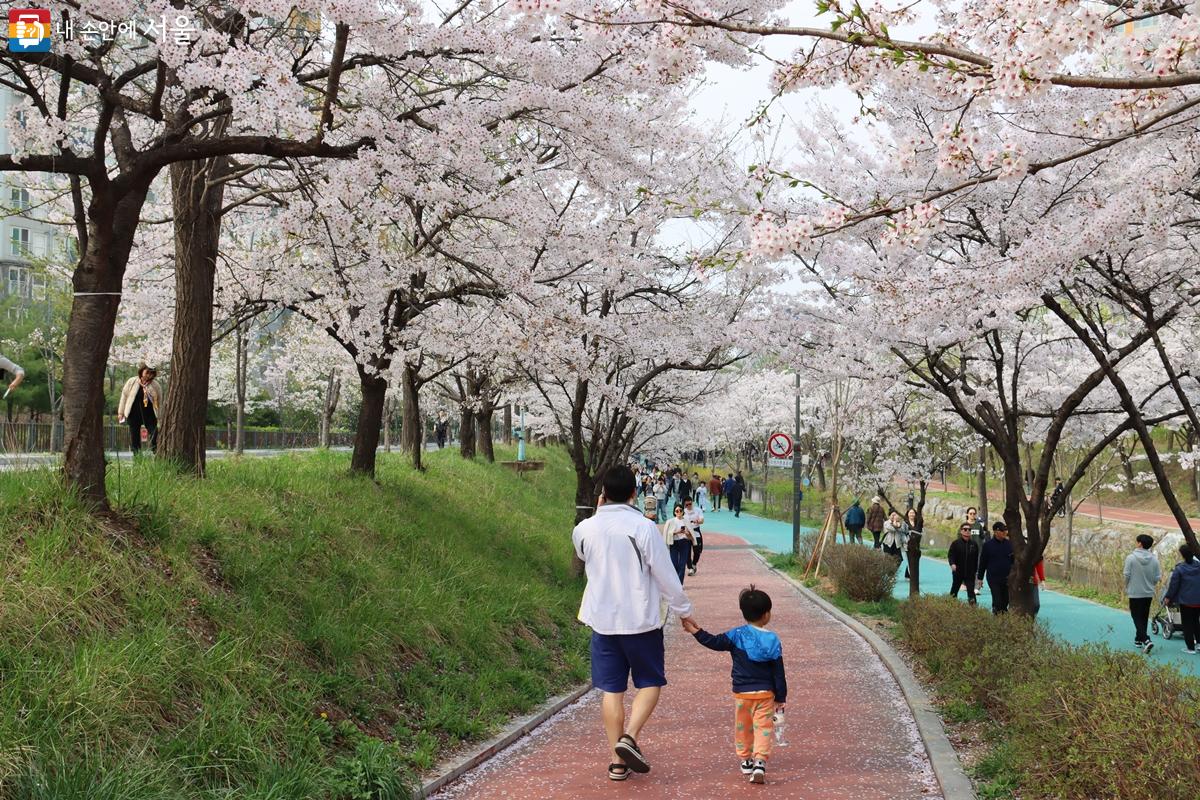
(689, 625)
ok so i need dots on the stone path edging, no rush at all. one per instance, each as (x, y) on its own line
(946, 766)
(516, 730)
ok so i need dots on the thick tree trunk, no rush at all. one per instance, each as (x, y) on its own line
(981, 486)
(820, 472)
(413, 433)
(466, 433)
(97, 283)
(483, 433)
(197, 195)
(370, 422)
(508, 423)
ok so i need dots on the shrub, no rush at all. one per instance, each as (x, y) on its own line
(1076, 722)
(860, 573)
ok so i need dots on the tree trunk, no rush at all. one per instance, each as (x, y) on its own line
(97, 282)
(483, 433)
(197, 195)
(333, 390)
(466, 432)
(508, 423)
(389, 416)
(370, 422)
(981, 488)
(240, 388)
(413, 432)
(914, 563)
(820, 472)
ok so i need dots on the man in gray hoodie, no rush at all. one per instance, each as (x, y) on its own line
(1142, 574)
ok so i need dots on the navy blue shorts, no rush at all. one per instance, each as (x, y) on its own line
(615, 657)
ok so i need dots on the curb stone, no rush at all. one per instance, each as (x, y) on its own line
(946, 767)
(453, 770)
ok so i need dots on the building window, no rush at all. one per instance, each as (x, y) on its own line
(18, 282)
(19, 243)
(39, 287)
(20, 200)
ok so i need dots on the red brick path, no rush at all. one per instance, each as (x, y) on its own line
(851, 734)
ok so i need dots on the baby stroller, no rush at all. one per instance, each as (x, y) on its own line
(1167, 620)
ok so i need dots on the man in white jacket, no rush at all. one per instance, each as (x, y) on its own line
(629, 573)
(13, 369)
(1142, 574)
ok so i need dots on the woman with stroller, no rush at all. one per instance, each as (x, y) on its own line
(1184, 591)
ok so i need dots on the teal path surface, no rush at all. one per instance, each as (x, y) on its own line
(1070, 618)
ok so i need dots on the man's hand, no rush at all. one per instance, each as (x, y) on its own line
(689, 624)
(954, 567)
(979, 584)
(16, 381)
(120, 419)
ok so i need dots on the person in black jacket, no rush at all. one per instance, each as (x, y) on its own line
(759, 683)
(964, 560)
(995, 561)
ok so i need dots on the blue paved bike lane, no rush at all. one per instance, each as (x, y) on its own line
(1070, 618)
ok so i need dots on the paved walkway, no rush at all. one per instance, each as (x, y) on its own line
(852, 737)
(1072, 619)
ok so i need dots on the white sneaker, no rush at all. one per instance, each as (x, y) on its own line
(747, 766)
(1191, 651)
(759, 774)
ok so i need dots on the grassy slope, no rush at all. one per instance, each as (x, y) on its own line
(279, 630)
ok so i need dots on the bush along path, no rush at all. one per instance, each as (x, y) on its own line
(850, 732)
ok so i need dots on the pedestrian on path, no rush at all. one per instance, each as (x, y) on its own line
(759, 682)
(628, 573)
(978, 527)
(912, 527)
(701, 495)
(139, 406)
(714, 491)
(733, 491)
(1142, 573)
(856, 518)
(678, 537)
(995, 562)
(1035, 588)
(685, 488)
(1184, 590)
(964, 560)
(660, 497)
(694, 518)
(441, 429)
(892, 536)
(875, 520)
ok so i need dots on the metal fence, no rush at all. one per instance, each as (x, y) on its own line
(45, 437)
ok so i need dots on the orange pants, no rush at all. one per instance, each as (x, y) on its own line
(754, 724)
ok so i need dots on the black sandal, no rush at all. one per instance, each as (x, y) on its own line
(618, 772)
(627, 749)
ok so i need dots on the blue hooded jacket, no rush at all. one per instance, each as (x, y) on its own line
(757, 659)
(1184, 587)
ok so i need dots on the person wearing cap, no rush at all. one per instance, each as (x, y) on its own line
(875, 519)
(139, 406)
(995, 562)
(14, 369)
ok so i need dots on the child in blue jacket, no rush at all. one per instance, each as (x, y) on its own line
(759, 685)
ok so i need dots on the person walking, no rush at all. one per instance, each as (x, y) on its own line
(714, 491)
(138, 407)
(685, 488)
(1035, 588)
(1142, 573)
(856, 518)
(440, 429)
(694, 517)
(875, 518)
(964, 560)
(892, 539)
(912, 527)
(733, 491)
(678, 537)
(995, 562)
(978, 527)
(660, 497)
(701, 495)
(1184, 591)
(629, 573)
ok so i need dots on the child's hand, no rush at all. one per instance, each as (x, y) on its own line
(690, 626)
(780, 706)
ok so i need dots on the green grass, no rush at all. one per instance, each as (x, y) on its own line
(280, 629)
(886, 608)
(1088, 592)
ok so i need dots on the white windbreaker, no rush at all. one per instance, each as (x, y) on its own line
(629, 572)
